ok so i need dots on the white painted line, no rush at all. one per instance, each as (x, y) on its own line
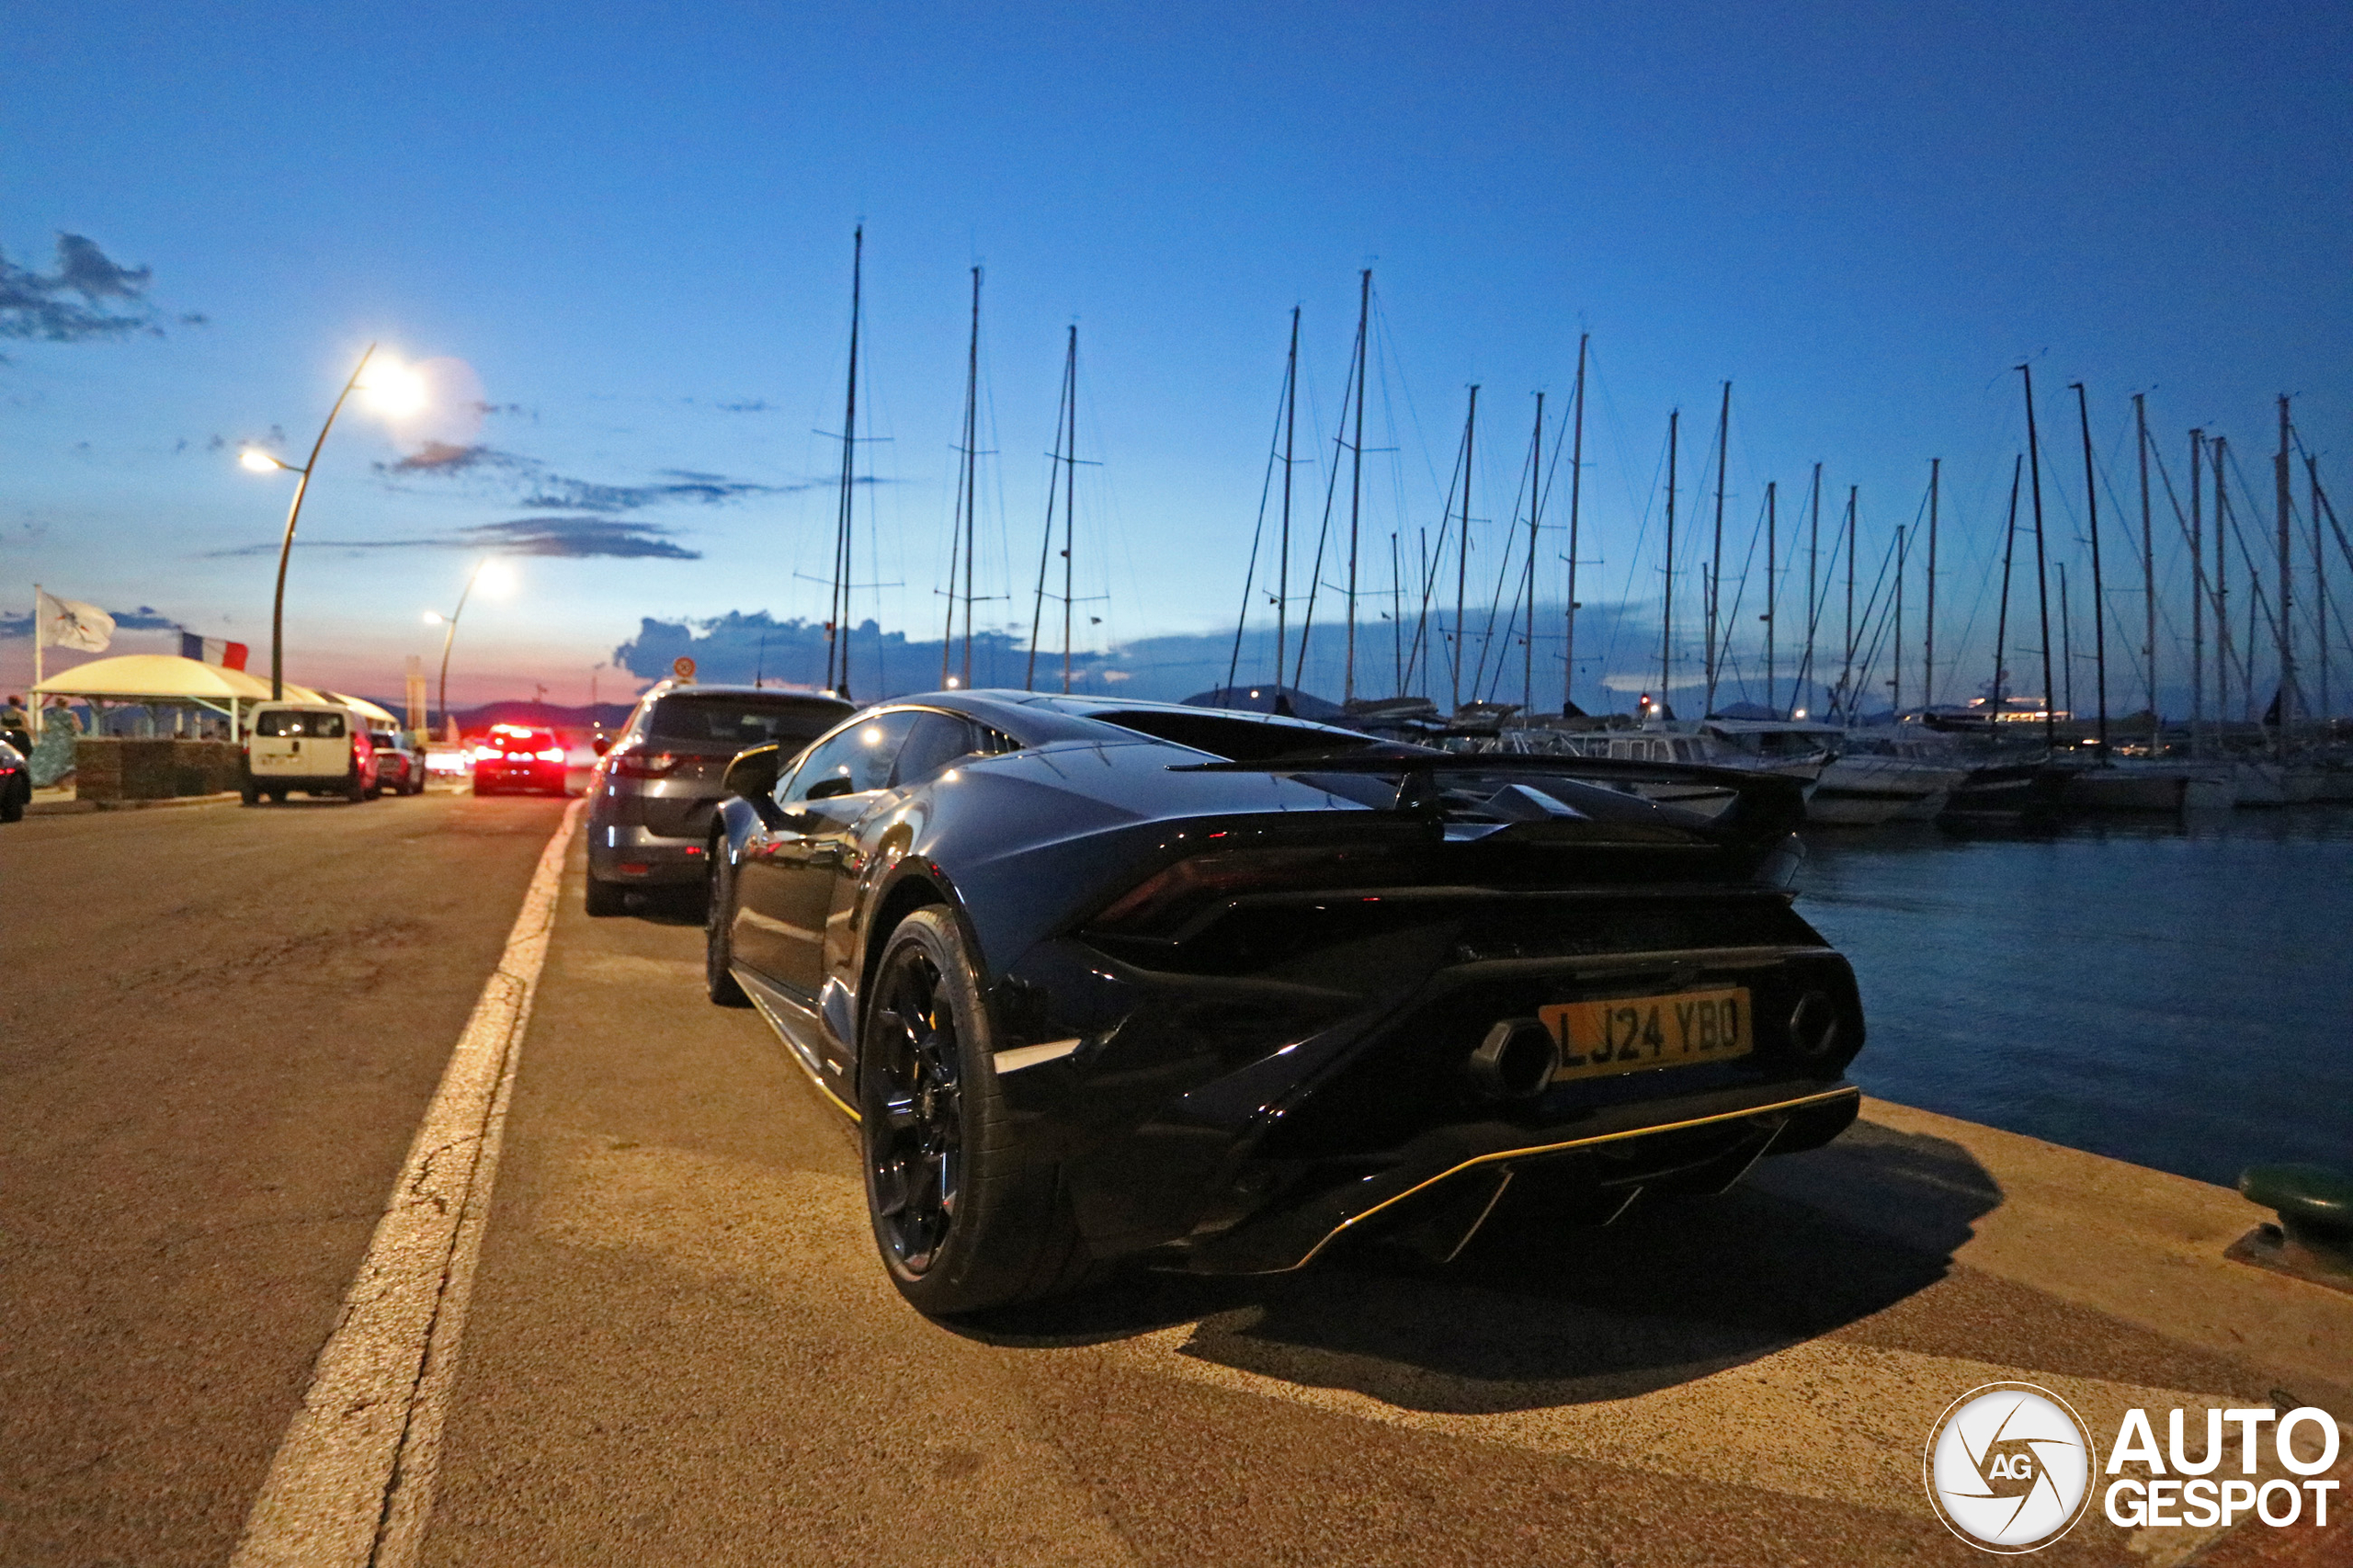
(352, 1482)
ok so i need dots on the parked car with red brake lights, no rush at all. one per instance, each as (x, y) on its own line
(516, 757)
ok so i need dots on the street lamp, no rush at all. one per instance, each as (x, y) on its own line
(396, 392)
(491, 582)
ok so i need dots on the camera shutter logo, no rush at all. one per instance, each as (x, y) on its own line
(2009, 1468)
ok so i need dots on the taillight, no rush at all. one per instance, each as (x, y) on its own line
(644, 764)
(1160, 903)
(552, 754)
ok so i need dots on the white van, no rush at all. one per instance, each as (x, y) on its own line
(315, 747)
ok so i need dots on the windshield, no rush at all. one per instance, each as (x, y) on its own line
(734, 724)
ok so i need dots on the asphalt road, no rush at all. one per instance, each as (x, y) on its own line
(220, 1027)
(681, 1350)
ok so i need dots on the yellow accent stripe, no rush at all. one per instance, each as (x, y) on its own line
(1503, 1154)
(793, 1052)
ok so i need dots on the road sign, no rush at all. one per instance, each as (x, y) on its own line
(683, 667)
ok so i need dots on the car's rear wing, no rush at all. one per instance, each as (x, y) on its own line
(1731, 805)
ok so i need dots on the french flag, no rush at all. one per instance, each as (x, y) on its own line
(212, 651)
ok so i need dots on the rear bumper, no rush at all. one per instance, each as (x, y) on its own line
(550, 777)
(1437, 1197)
(638, 856)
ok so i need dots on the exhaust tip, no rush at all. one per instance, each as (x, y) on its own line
(1813, 1024)
(1515, 1061)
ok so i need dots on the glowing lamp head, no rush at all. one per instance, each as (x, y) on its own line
(495, 579)
(433, 618)
(257, 461)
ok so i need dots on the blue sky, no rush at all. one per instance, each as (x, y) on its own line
(633, 233)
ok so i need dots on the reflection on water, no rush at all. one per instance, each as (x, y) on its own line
(2175, 994)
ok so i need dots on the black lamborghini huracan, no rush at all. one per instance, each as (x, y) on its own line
(1105, 980)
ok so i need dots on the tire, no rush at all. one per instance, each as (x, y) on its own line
(481, 789)
(604, 898)
(277, 797)
(12, 809)
(963, 1217)
(249, 794)
(718, 940)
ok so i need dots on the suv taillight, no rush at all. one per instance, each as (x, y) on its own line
(634, 764)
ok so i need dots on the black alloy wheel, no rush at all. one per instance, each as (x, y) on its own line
(718, 941)
(964, 1218)
(916, 1152)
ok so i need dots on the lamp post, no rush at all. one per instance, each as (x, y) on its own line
(401, 397)
(450, 625)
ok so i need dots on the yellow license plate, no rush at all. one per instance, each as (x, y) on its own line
(1627, 1034)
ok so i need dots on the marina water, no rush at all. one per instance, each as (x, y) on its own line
(2175, 994)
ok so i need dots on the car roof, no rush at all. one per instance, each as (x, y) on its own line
(771, 693)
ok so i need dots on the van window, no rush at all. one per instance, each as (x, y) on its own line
(285, 724)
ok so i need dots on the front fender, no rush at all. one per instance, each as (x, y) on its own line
(736, 820)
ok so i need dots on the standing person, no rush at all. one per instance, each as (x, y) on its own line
(17, 724)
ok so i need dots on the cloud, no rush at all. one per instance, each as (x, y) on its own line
(537, 487)
(33, 305)
(571, 537)
(749, 405)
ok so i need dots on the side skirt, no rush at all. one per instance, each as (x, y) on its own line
(797, 1025)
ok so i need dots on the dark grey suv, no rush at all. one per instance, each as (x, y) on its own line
(650, 798)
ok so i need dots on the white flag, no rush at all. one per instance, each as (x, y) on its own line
(69, 623)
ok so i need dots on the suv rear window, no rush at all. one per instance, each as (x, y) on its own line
(736, 722)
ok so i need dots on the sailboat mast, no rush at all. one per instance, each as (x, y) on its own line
(2148, 567)
(2286, 586)
(1772, 549)
(2002, 618)
(1282, 561)
(1716, 557)
(2320, 591)
(972, 472)
(1535, 511)
(2221, 450)
(1667, 596)
(837, 606)
(1462, 545)
(2196, 594)
(1895, 687)
(1355, 478)
(1929, 653)
(1813, 585)
(1576, 493)
(1046, 540)
(2041, 577)
(2099, 587)
(960, 531)
(1846, 674)
(1070, 496)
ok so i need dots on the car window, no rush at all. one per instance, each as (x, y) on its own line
(736, 723)
(935, 741)
(856, 760)
(283, 724)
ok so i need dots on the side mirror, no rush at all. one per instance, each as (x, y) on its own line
(753, 773)
(601, 745)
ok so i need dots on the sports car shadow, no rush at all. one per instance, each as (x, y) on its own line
(1533, 1316)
